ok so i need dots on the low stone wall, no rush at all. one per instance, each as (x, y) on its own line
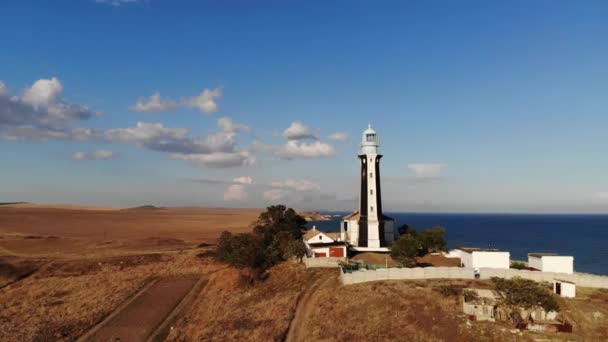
(363, 275)
(360, 276)
(323, 262)
(580, 279)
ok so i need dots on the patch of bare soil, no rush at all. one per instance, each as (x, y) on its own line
(303, 310)
(438, 260)
(140, 318)
(14, 269)
(371, 258)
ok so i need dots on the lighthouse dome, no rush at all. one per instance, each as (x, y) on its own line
(369, 141)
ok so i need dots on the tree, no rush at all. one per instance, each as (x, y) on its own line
(406, 249)
(278, 218)
(297, 249)
(406, 229)
(241, 250)
(433, 239)
(276, 237)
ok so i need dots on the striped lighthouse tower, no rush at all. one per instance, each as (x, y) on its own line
(371, 219)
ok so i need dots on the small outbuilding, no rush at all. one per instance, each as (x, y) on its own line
(551, 262)
(324, 244)
(476, 258)
(563, 288)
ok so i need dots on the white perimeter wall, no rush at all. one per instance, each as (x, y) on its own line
(580, 279)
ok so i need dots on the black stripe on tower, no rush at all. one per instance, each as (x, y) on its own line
(363, 204)
(379, 202)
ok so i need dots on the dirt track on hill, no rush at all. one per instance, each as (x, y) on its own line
(144, 313)
(296, 331)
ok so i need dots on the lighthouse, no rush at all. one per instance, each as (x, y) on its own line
(368, 229)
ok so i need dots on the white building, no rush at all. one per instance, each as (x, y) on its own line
(322, 244)
(368, 229)
(551, 262)
(564, 288)
(481, 257)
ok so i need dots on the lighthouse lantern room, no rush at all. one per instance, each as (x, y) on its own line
(368, 229)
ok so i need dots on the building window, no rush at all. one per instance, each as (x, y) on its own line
(371, 175)
(320, 237)
(371, 191)
(372, 207)
(370, 137)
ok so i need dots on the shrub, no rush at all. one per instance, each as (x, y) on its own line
(525, 293)
(470, 295)
(449, 290)
(518, 265)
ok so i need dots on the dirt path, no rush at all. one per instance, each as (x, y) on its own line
(296, 330)
(145, 313)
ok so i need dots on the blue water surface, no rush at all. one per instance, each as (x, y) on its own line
(583, 236)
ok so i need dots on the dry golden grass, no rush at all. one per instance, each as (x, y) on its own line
(228, 310)
(85, 263)
(188, 224)
(65, 298)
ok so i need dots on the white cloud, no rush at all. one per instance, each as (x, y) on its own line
(153, 104)
(235, 192)
(230, 126)
(298, 131)
(238, 190)
(218, 159)
(294, 149)
(426, 170)
(339, 136)
(275, 194)
(98, 155)
(297, 184)
(42, 92)
(216, 150)
(206, 102)
(39, 114)
(243, 180)
(3, 89)
(79, 156)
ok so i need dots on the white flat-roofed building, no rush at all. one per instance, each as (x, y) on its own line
(551, 262)
(482, 257)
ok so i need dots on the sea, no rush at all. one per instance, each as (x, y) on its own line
(583, 236)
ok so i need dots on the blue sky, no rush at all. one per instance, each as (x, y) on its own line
(480, 106)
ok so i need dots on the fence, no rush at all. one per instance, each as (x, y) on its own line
(323, 262)
(363, 275)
